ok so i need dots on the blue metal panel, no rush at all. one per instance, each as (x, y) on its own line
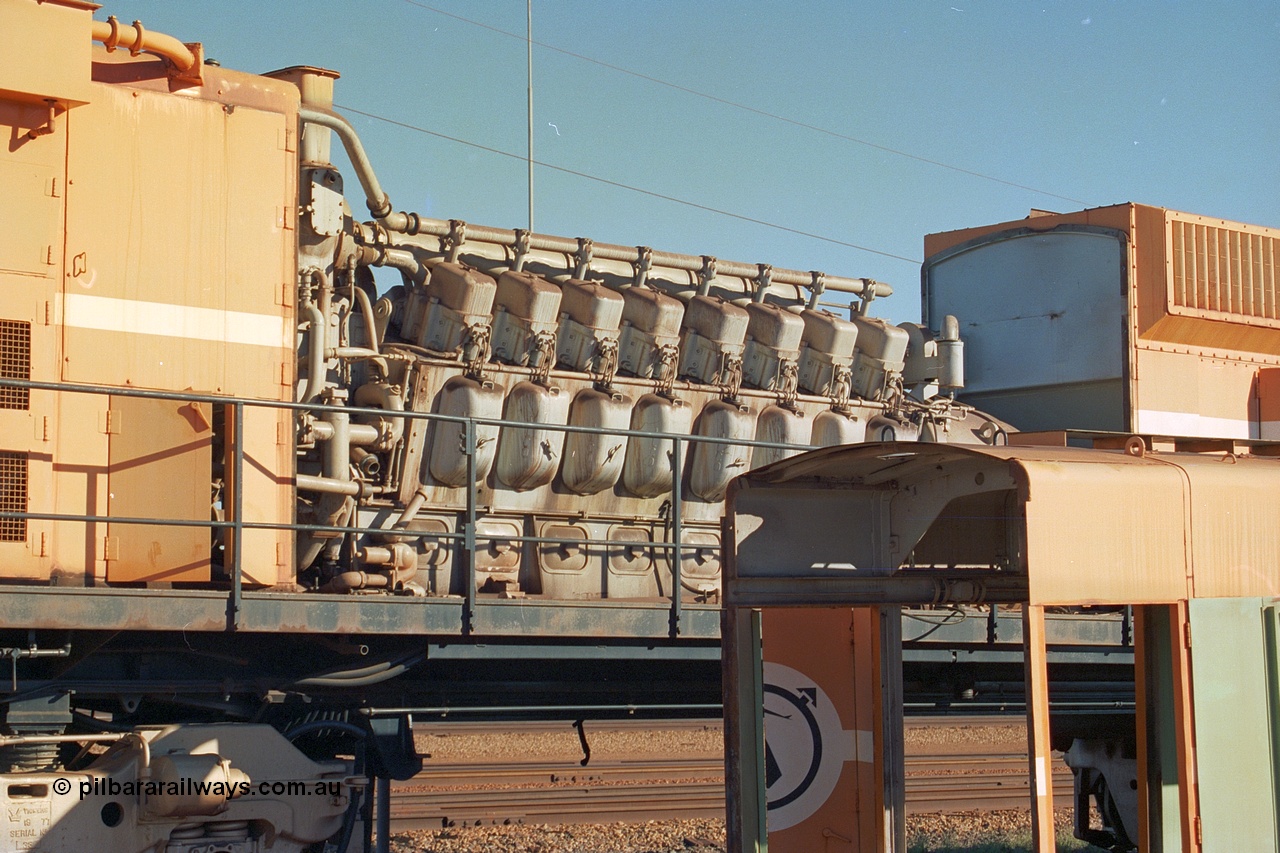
(1043, 316)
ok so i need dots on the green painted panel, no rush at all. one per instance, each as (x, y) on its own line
(1271, 621)
(1162, 740)
(1234, 756)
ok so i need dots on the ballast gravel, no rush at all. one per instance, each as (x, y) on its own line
(990, 832)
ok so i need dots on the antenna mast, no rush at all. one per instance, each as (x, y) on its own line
(529, 53)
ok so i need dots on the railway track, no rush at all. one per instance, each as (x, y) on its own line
(465, 727)
(608, 791)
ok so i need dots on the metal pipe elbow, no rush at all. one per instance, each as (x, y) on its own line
(136, 38)
(380, 395)
(378, 202)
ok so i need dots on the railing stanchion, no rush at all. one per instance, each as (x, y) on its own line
(465, 535)
(677, 510)
(237, 516)
(469, 540)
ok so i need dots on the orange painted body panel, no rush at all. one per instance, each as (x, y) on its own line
(1125, 549)
(1235, 536)
(176, 271)
(1160, 529)
(80, 472)
(1039, 751)
(847, 672)
(1192, 395)
(268, 493)
(180, 242)
(1086, 526)
(32, 195)
(1116, 217)
(48, 56)
(1269, 403)
(159, 451)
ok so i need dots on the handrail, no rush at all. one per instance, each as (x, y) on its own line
(188, 397)
(468, 536)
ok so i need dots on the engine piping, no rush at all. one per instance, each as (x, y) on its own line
(378, 202)
(379, 205)
(137, 39)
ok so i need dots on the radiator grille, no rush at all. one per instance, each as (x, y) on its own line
(1225, 270)
(13, 495)
(15, 362)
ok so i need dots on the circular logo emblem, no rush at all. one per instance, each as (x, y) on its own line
(805, 746)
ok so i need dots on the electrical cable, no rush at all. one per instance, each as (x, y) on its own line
(748, 108)
(364, 677)
(946, 620)
(619, 185)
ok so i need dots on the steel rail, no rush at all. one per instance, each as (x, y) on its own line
(455, 774)
(581, 799)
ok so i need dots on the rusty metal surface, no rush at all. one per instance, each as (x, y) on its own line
(1082, 526)
(1235, 514)
(200, 610)
(905, 589)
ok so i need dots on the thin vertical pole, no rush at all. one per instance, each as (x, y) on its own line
(677, 510)
(237, 515)
(1144, 675)
(529, 55)
(382, 821)
(1184, 726)
(743, 691)
(893, 750)
(469, 535)
(1039, 751)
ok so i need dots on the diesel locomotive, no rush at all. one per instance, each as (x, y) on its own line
(259, 509)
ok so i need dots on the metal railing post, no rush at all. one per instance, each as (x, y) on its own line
(469, 535)
(237, 516)
(677, 510)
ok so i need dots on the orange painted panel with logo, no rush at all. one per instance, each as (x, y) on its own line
(821, 710)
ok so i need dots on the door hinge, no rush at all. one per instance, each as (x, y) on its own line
(110, 422)
(1186, 636)
(110, 548)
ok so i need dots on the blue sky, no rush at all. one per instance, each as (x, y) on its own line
(1175, 104)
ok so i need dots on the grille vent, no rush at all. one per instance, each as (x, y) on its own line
(15, 362)
(13, 495)
(1226, 270)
